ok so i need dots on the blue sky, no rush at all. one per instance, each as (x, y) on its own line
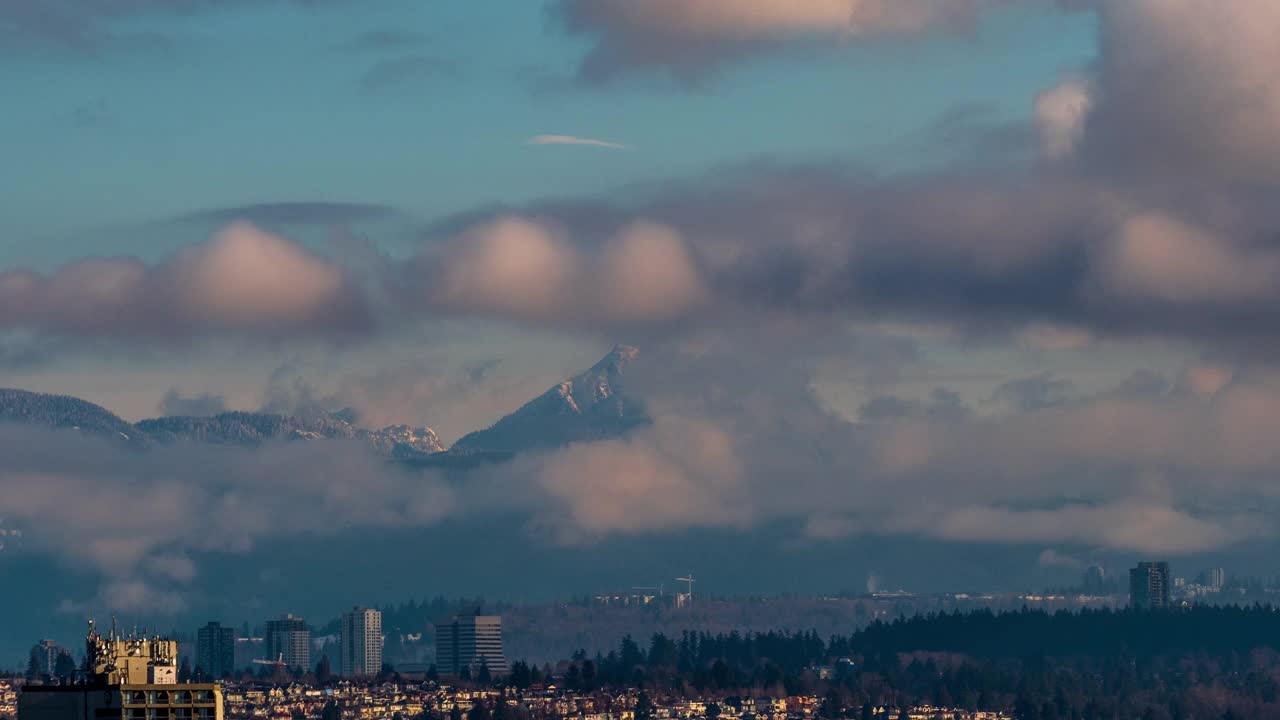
(273, 102)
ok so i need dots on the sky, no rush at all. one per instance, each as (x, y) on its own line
(924, 278)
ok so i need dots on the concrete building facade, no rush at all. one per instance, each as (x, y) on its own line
(216, 650)
(360, 643)
(470, 642)
(289, 639)
(1149, 586)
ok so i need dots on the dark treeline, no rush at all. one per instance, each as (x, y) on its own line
(1093, 633)
(1200, 662)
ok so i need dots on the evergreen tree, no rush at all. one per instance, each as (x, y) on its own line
(324, 670)
(65, 667)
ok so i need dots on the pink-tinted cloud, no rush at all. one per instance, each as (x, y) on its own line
(530, 270)
(574, 140)
(174, 503)
(1156, 258)
(687, 36)
(241, 282)
(1184, 90)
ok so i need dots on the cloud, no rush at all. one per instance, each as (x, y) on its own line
(186, 500)
(1047, 259)
(742, 442)
(427, 391)
(1060, 114)
(175, 403)
(1051, 558)
(942, 404)
(86, 26)
(687, 37)
(1157, 259)
(522, 268)
(739, 442)
(241, 282)
(571, 140)
(1128, 525)
(1026, 394)
(1184, 91)
(679, 473)
(292, 213)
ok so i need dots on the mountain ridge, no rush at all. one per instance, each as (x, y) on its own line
(592, 405)
(229, 428)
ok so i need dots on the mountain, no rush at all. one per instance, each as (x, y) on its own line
(589, 406)
(249, 428)
(232, 428)
(62, 411)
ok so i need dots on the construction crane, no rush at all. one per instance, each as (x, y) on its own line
(688, 579)
(278, 662)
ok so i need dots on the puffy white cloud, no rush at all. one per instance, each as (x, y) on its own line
(529, 270)
(1060, 113)
(646, 273)
(510, 266)
(245, 278)
(767, 17)
(242, 281)
(1186, 90)
(140, 517)
(680, 473)
(1157, 258)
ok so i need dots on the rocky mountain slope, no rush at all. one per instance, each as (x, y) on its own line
(62, 411)
(247, 428)
(233, 428)
(590, 406)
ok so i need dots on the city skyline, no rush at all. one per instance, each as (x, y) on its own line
(1096, 587)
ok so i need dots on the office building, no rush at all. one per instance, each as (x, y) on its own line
(361, 643)
(44, 658)
(1095, 579)
(1149, 586)
(215, 651)
(129, 678)
(1215, 578)
(470, 642)
(288, 639)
